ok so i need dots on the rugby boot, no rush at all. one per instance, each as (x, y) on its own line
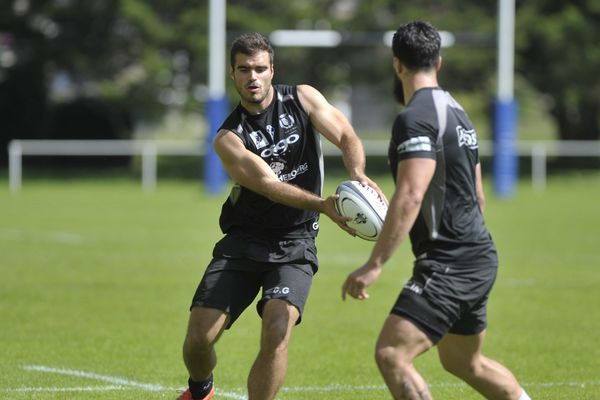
(187, 395)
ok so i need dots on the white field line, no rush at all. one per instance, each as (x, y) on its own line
(89, 389)
(122, 384)
(104, 378)
(71, 389)
(357, 388)
(314, 389)
(573, 383)
(117, 383)
(60, 237)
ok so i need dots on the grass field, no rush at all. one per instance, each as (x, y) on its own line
(96, 279)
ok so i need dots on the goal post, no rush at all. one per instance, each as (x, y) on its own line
(217, 106)
(505, 164)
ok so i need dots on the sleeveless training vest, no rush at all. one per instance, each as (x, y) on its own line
(284, 138)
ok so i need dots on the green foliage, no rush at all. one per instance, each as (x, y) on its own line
(147, 21)
(152, 56)
(557, 55)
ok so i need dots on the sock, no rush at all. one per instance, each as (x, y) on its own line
(524, 395)
(200, 389)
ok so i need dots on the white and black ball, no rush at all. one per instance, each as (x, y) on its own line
(364, 206)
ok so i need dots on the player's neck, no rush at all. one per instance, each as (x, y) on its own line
(418, 81)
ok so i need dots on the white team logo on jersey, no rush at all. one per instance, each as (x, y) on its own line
(271, 131)
(413, 287)
(280, 147)
(277, 167)
(259, 139)
(286, 121)
(466, 137)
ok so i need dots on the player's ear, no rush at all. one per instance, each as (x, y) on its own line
(397, 66)
(438, 64)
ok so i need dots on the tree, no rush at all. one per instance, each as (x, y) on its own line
(557, 48)
(137, 59)
(145, 58)
(37, 39)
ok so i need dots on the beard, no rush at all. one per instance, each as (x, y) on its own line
(398, 90)
(256, 98)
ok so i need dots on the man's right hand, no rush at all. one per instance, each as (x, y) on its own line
(330, 210)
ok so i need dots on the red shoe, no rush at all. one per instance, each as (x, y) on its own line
(187, 395)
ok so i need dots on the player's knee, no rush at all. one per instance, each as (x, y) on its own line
(462, 368)
(388, 357)
(383, 357)
(197, 341)
(275, 332)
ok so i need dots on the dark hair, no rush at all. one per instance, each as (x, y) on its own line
(250, 44)
(417, 45)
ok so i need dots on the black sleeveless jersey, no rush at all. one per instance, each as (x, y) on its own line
(284, 138)
(450, 225)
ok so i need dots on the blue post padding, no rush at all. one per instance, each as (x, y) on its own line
(505, 167)
(215, 177)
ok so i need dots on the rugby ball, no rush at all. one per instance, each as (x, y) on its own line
(364, 206)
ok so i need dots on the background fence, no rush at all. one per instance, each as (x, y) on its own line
(149, 150)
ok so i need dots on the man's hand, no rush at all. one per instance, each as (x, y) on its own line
(330, 210)
(366, 181)
(357, 282)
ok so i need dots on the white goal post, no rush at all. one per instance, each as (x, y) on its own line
(149, 150)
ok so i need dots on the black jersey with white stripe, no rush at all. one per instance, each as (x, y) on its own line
(450, 225)
(284, 138)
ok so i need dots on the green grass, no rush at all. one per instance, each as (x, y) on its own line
(96, 277)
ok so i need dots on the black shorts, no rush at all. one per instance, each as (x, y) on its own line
(231, 285)
(442, 298)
